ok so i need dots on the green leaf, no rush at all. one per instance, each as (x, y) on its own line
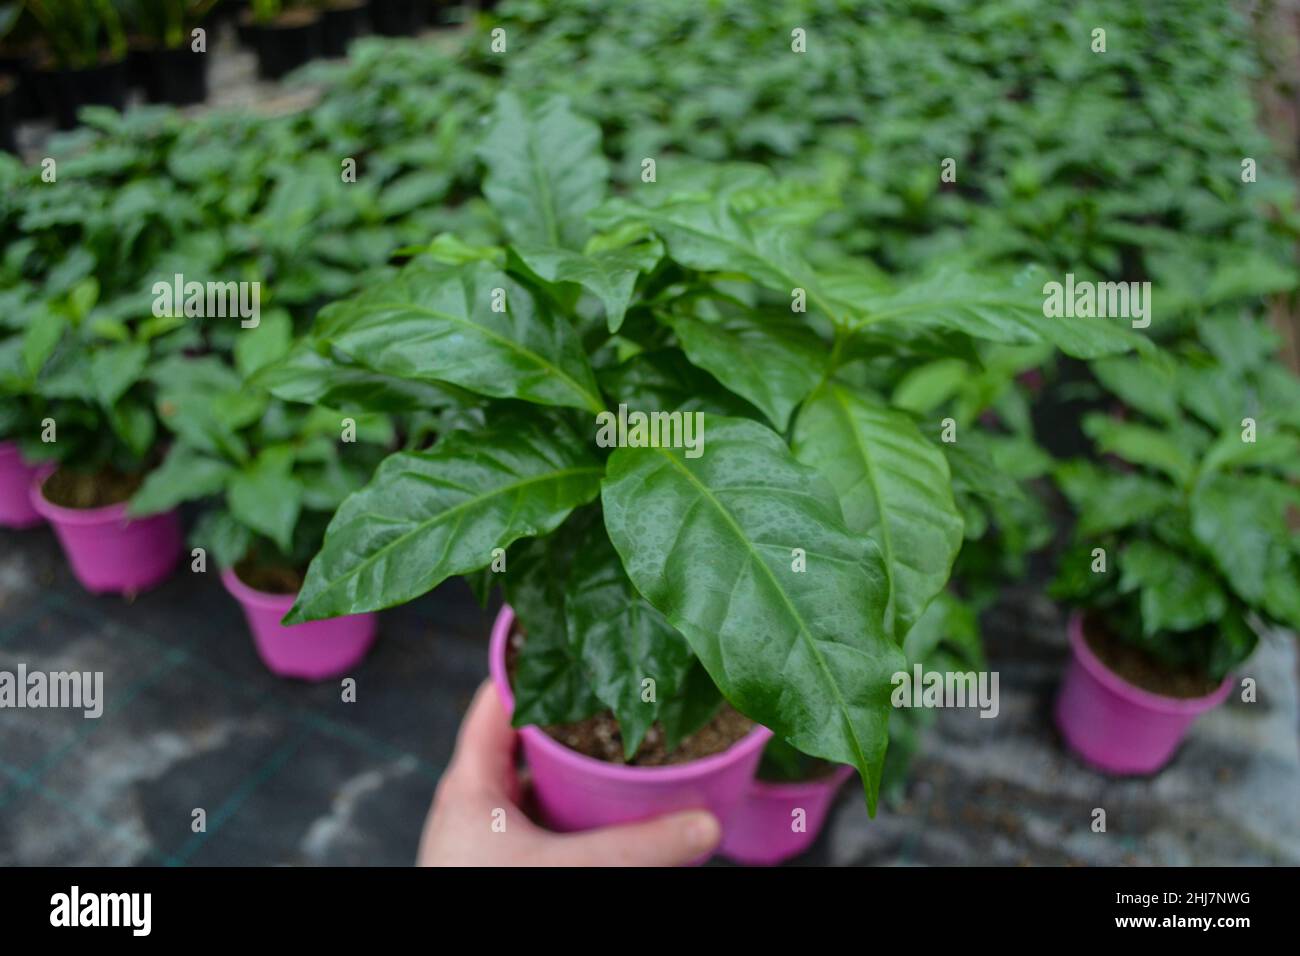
(1141, 445)
(1270, 449)
(894, 488)
(224, 538)
(115, 368)
(438, 324)
(426, 516)
(267, 497)
(1148, 386)
(184, 475)
(1241, 523)
(1106, 502)
(664, 379)
(1175, 594)
(1009, 311)
(711, 542)
(134, 424)
(269, 342)
(774, 365)
(308, 377)
(608, 275)
(41, 338)
(711, 237)
(545, 171)
(622, 640)
(549, 680)
(693, 706)
(974, 472)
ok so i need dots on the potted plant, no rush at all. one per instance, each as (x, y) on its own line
(283, 34)
(789, 801)
(21, 358)
(172, 71)
(342, 21)
(397, 18)
(759, 573)
(1183, 548)
(274, 474)
(87, 56)
(98, 434)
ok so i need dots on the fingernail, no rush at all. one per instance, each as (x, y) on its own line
(702, 831)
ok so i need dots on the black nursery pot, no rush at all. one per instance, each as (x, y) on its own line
(9, 113)
(177, 76)
(69, 90)
(397, 18)
(286, 43)
(340, 26)
(22, 67)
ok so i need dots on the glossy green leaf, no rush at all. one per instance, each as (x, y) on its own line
(622, 641)
(894, 488)
(426, 516)
(440, 324)
(773, 365)
(305, 375)
(714, 543)
(550, 681)
(985, 307)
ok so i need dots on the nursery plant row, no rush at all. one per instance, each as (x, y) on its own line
(406, 336)
(57, 56)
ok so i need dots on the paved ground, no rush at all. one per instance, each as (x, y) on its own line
(290, 774)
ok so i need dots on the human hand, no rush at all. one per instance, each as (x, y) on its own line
(481, 786)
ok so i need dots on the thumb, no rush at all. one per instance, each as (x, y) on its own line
(667, 841)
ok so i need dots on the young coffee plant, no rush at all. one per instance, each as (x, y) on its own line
(276, 470)
(775, 529)
(1188, 533)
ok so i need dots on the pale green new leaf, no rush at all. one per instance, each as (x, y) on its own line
(545, 171)
(610, 275)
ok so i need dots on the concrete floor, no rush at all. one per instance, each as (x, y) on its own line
(288, 773)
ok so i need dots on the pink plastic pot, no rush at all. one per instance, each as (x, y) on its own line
(109, 552)
(770, 828)
(316, 650)
(16, 477)
(1115, 726)
(577, 792)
